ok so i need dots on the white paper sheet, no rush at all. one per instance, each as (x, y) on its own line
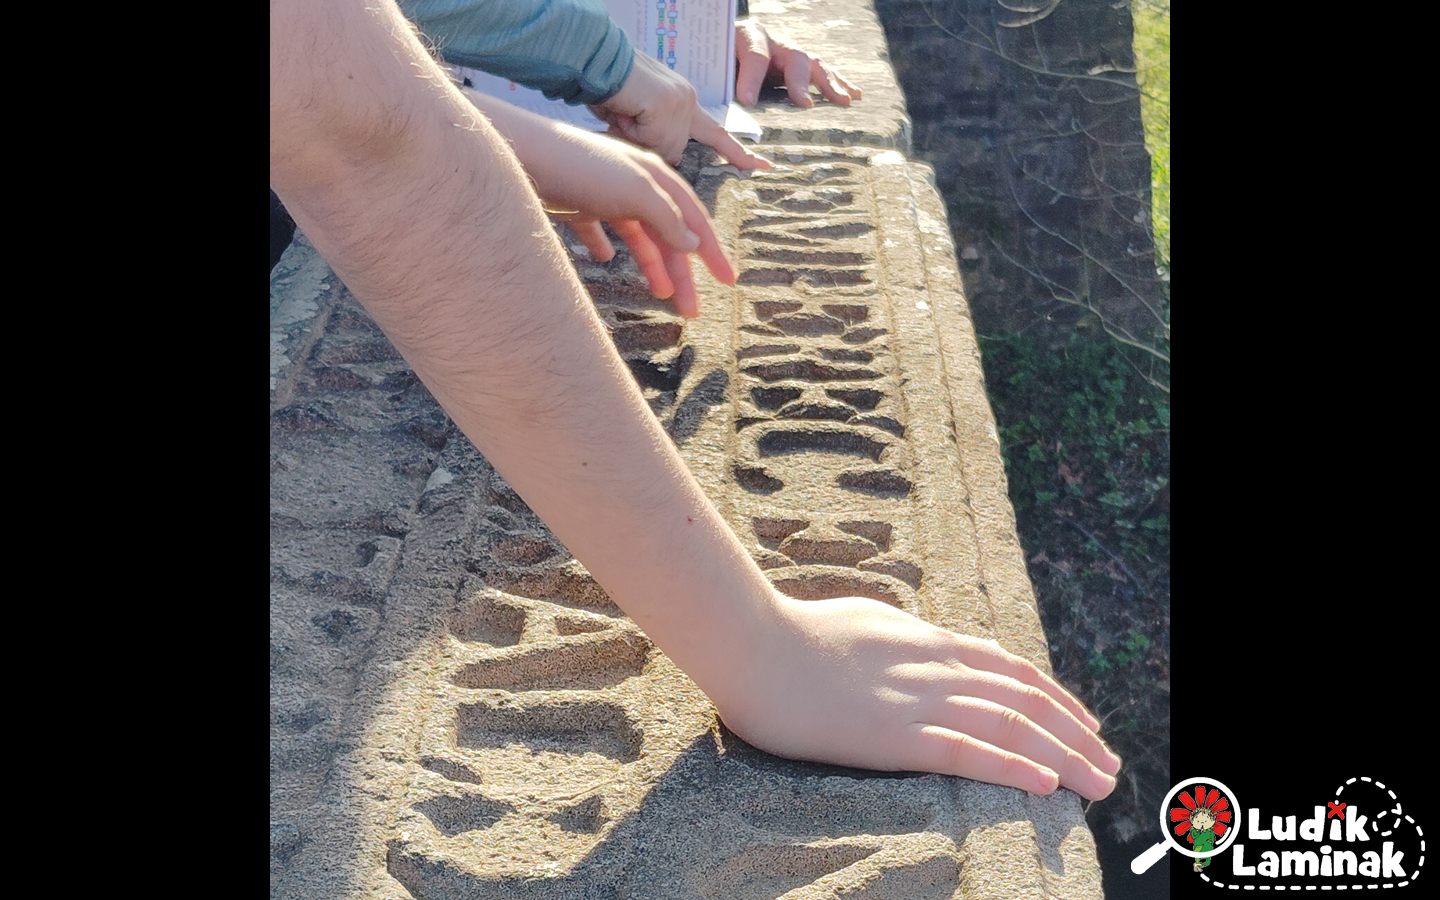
(695, 38)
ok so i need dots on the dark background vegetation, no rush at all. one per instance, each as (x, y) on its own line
(1031, 114)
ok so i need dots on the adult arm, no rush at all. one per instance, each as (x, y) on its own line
(421, 209)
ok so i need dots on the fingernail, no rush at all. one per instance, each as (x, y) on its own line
(1112, 761)
(1104, 784)
(692, 240)
(1047, 781)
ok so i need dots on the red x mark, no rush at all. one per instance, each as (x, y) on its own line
(1336, 810)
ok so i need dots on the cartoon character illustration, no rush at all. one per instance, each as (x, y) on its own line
(1205, 819)
(1202, 834)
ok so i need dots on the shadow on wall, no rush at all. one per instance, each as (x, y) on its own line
(766, 826)
(1037, 141)
(282, 229)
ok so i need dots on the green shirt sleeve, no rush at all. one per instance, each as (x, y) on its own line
(569, 50)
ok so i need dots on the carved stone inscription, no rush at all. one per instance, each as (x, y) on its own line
(820, 452)
(547, 749)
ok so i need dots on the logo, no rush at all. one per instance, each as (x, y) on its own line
(1199, 810)
(1357, 838)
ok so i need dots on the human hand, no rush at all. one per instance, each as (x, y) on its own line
(860, 683)
(656, 108)
(585, 179)
(648, 205)
(762, 54)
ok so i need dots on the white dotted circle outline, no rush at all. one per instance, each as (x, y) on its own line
(1340, 887)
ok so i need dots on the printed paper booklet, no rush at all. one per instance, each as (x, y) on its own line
(695, 38)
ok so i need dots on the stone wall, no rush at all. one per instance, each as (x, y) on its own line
(1034, 133)
(457, 709)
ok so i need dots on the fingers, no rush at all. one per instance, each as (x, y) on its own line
(677, 265)
(797, 79)
(593, 237)
(655, 211)
(647, 254)
(761, 53)
(665, 124)
(666, 270)
(665, 136)
(660, 207)
(1008, 730)
(710, 133)
(624, 128)
(933, 748)
(697, 223)
(714, 257)
(1040, 708)
(991, 657)
(802, 70)
(832, 86)
(854, 92)
(752, 52)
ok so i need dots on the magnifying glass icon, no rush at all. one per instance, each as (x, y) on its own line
(1203, 808)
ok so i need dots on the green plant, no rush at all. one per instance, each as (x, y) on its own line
(1087, 451)
(1152, 71)
(1083, 435)
(1132, 651)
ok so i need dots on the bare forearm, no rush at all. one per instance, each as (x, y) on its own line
(435, 231)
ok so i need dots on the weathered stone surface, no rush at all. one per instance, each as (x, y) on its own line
(847, 35)
(457, 710)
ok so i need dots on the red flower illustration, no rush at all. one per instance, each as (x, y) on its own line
(1211, 806)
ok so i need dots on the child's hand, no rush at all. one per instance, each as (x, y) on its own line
(857, 682)
(647, 203)
(657, 108)
(585, 179)
(763, 54)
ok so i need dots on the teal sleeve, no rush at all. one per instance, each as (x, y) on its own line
(568, 49)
